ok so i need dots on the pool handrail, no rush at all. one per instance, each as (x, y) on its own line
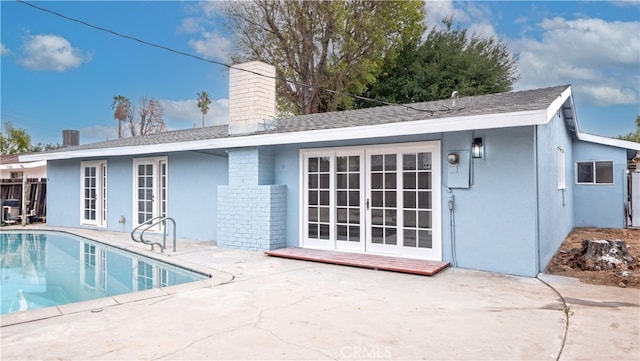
(153, 222)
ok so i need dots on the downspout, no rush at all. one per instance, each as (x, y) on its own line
(536, 236)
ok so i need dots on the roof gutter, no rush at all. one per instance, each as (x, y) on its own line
(426, 126)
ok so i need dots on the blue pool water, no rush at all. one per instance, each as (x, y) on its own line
(42, 269)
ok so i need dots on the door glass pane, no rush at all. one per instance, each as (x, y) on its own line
(376, 180)
(390, 199)
(390, 162)
(409, 180)
(348, 197)
(313, 181)
(318, 184)
(390, 236)
(341, 166)
(424, 161)
(376, 162)
(409, 238)
(342, 215)
(424, 200)
(377, 235)
(417, 203)
(425, 239)
(409, 162)
(341, 233)
(341, 181)
(324, 164)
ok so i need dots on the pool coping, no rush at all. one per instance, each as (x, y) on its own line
(215, 278)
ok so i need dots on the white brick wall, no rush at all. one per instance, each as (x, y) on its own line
(252, 97)
(252, 216)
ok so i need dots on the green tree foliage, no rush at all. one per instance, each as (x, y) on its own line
(17, 141)
(633, 136)
(203, 104)
(335, 45)
(449, 59)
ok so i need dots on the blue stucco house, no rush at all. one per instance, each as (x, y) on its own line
(492, 182)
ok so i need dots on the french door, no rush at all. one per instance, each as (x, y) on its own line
(150, 189)
(382, 199)
(93, 198)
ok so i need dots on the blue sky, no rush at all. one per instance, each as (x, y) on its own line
(57, 74)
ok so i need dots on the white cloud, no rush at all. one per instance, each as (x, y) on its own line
(212, 45)
(4, 50)
(180, 114)
(599, 58)
(474, 16)
(204, 23)
(51, 52)
(98, 133)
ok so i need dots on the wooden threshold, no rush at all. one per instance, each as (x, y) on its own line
(363, 260)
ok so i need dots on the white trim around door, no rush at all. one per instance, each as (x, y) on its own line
(93, 193)
(150, 186)
(381, 199)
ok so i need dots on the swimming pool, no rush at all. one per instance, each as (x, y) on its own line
(46, 268)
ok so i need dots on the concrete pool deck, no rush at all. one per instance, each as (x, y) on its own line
(264, 308)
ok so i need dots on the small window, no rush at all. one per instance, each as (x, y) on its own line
(597, 172)
(15, 175)
(562, 182)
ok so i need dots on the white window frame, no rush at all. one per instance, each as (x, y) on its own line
(101, 196)
(594, 179)
(562, 178)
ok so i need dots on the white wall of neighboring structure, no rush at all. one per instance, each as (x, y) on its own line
(31, 170)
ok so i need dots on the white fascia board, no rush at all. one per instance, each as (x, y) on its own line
(41, 163)
(619, 143)
(555, 105)
(425, 126)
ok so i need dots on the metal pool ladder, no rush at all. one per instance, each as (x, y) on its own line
(145, 226)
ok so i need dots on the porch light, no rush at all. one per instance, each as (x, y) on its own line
(477, 148)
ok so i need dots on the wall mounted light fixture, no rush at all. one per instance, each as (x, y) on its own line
(477, 148)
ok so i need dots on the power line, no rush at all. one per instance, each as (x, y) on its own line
(144, 42)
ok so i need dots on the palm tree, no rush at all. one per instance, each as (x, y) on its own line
(122, 109)
(203, 104)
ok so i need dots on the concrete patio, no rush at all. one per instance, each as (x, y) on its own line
(265, 308)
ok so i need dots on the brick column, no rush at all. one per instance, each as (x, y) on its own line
(251, 209)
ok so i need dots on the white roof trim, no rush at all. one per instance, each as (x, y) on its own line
(557, 103)
(426, 126)
(619, 143)
(42, 163)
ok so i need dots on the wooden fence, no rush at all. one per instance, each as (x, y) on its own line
(36, 193)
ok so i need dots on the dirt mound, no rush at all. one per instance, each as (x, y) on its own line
(565, 262)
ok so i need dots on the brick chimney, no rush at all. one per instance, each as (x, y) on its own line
(252, 97)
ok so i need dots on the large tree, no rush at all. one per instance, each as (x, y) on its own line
(633, 136)
(17, 140)
(316, 45)
(449, 59)
(146, 117)
(203, 104)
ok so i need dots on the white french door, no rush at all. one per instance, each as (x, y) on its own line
(383, 199)
(150, 189)
(93, 198)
